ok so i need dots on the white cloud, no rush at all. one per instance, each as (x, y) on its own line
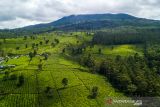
(18, 22)
(18, 13)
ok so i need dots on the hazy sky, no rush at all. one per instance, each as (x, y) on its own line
(18, 13)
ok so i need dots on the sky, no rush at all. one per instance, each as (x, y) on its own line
(19, 13)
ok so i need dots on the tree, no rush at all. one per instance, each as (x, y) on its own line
(131, 88)
(45, 56)
(99, 51)
(88, 61)
(46, 41)
(2, 53)
(31, 55)
(40, 42)
(4, 40)
(17, 48)
(53, 44)
(141, 83)
(33, 45)
(118, 58)
(40, 67)
(63, 51)
(77, 42)
(33, 37)
(26, 46)
(6, 76)
(49, 92)
(20, 81)
(103, 68)
(56, 40)
(13, 77)
(37, 45)
(35, 53)
(94, 92)
(25, 37)
(40, 60)
(65, 82)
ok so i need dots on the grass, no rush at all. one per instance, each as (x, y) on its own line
(122, 50)
(31, 93)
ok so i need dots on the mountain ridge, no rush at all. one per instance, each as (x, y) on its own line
(76, 17)
(86, 18)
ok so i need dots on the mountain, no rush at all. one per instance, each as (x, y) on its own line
(96, 21)
(89, 22)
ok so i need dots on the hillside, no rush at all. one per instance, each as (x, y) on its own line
(32, 91)
(32, 69)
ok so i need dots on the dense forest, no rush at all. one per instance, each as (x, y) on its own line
(126, 36)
